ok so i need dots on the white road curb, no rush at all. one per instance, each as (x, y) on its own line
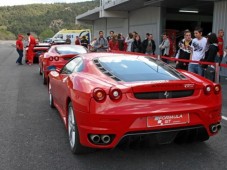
(223, 117)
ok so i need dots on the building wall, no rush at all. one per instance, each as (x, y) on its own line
(99, 25)
(146, 20)
(118, 25)
(220, 18)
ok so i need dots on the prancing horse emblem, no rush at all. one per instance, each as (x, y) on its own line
(166, 94)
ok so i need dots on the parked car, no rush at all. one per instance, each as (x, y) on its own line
(105, 98)
(47, 40)
(58, 55)
(39, 49)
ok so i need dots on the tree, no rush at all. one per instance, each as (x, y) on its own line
(47, 33)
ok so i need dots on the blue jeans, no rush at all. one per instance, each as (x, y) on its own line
(195, 68)
(218, 59)
(19, 60)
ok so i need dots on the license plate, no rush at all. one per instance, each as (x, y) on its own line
(165, 120)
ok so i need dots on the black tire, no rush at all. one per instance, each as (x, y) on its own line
(51, 99)
(40, 72)
(44, 79)
(73, 133)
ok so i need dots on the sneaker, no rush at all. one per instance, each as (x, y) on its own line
(20, 64)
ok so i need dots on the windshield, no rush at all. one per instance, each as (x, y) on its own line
(139, 69)
(71, 49)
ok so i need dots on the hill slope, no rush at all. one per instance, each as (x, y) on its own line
(41, 18)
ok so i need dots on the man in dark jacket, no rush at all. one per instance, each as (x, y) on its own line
(149, 45)
(184, 51)
(101, 44)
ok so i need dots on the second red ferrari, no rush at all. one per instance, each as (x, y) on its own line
(58, 55)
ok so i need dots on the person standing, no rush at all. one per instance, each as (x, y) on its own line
(110, 36)
(184, 51)
(19, 47)
(113, 43)
(164, 47)
(198, 51)
(68, 40)
(129, 40)
(210, 55)
(77, 41)
(220, 53)
(31, 45)
(101, 44)
(137, 45)
(84, 42)
(121, 42)
(149, 45)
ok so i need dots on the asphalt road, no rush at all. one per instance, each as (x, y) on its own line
(32, 135)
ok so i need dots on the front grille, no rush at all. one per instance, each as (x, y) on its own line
(164, 94)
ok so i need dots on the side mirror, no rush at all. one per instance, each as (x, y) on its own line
(52, 68)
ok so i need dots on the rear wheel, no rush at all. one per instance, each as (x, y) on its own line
(44, 78)
(73, 133)
(40, 72)
(51, 100)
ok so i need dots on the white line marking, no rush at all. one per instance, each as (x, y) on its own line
(223, 117)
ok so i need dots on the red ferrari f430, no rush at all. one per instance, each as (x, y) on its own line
(58, 55)
(105, 98)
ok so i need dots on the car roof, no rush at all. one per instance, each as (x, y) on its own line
(91, 56)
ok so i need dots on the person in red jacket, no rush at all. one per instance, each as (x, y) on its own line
(113, 43)
(19, 47)
(31, 45)
(220, 46)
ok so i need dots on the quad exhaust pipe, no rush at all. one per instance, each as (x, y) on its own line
(100, 139)
(215, 128)
(95, 138)
(105, 139)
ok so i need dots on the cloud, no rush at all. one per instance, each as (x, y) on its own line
(24, 2)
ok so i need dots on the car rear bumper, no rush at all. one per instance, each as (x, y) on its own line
(126, 122)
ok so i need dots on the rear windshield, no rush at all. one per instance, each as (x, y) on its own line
(138, 69)
(71, 49)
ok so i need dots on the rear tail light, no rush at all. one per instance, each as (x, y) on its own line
(207, 89)
(56, 58)
(99, 94)
(217, 89)
(51, 58)
(115, 94)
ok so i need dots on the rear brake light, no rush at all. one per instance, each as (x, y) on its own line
(217, 89)
(115, 94)
(51, 58)
(207, 89)
(99, 94)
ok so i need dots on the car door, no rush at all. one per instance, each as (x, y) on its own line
(64, 81)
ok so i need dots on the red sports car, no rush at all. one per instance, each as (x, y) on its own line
(105, 98)
(39, 49)
(58, 55)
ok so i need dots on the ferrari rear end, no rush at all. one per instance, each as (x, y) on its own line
(182, 108)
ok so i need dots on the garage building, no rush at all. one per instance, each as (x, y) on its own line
(156, 16)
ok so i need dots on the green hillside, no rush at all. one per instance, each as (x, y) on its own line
(41, 19)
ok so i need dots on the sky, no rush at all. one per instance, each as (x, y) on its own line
(24, 2)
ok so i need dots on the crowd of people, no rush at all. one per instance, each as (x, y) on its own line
(205, 49)
(208, 48)
(199, 48)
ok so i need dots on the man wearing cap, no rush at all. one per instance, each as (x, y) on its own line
(31, 45)
(19, 47)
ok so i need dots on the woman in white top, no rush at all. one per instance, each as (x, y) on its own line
(129, 40)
